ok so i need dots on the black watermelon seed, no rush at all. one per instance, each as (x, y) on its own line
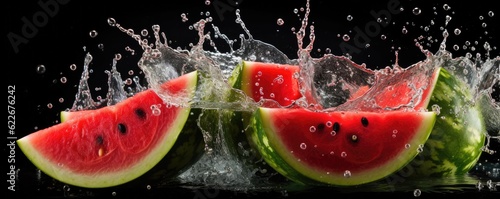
(140, 113)
(364, 121)
(321, 126)
(336, 127)
(122, 128)
(99, 140)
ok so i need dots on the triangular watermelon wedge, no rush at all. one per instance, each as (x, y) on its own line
(116, 144)
(339, 148)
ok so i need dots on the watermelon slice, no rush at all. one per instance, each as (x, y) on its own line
(339, 148)
(455, 145)
(268, 85)
(117, 144)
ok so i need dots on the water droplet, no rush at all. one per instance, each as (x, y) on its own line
(383, 37)
(66, 188)
(280, 22)
(148, 187)
(128, 81)
(457, 31)
(347, 173)
(346, 37)
(436, 108)
(329, 124)
(420, 148)
(49, 105)
(63, 80)
(491, 13)
(40, 69)
(279, 79)
(118, 56)
(207, 2)
(72, 67)
(111, 21)
(404, 30)
(446, 7)
(100, 46)
(93, 33)
(484, 25)
(252, 57)
(155, 110)
(349, 17)
(343, 154)
(407, 146)
(417, 192)
(312, 129)
(61, 100)
(448, 19)
(113, 193)
(416, 11)
(144, 32)
(333, 133)
(295, 11)
(184, 17)
(328, 50)
(303, 146)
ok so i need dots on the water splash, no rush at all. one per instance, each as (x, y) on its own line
(328, 82)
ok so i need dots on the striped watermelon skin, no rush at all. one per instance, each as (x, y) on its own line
(455, 144)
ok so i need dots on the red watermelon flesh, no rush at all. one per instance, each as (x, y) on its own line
(339, 148)
(269, 82)
(396, 89)
(111, 145)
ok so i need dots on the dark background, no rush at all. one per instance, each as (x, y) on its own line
(62, 38)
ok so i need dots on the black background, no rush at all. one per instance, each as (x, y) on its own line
(61, 39)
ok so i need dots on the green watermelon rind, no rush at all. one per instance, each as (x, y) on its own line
(258, 136)
(276, 154)
(455, 144)
(102, 180)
